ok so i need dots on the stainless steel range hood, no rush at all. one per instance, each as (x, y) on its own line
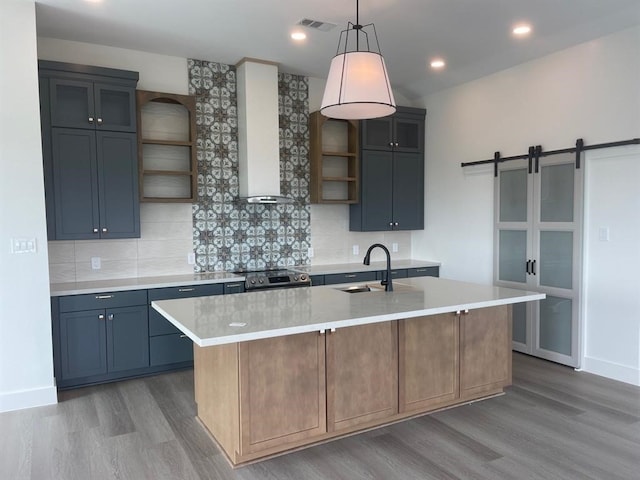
(258, 132)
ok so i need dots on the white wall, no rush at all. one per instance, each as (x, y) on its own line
(26, 361)
(612, 289)
(590, 91)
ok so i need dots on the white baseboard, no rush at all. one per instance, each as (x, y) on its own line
(36, 397)
(615, 371)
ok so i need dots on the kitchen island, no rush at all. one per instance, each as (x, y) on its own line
(282, 369)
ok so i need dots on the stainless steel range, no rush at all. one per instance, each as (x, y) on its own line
(255, 280)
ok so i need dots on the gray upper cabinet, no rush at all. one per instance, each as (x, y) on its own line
(392, 173)
(90, 151)
(401, 132)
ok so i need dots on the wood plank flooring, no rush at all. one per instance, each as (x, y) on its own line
(553, 423)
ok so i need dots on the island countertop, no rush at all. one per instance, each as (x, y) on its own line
(219, 320)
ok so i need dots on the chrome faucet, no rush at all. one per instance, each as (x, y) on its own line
(388, 285)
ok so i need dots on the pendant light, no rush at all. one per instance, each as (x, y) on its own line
(358, 85)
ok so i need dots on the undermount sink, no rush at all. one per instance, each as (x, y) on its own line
(357, 289)
(375, 287)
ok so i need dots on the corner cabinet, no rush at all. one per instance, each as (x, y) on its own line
(89, 141)
(334, 160)
(167, 147)
(391, 173)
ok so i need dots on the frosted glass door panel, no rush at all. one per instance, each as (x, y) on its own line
(555, 324)
(512, 256)
(513, 195)
(520, 322)
(556, 259)
(556, 193)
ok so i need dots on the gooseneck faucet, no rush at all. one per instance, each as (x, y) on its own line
(388, 285)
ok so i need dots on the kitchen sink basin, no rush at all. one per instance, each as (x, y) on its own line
(375, 287)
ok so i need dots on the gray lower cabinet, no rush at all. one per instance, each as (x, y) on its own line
(167, 344)
(103, 342)
(349, 277)
(423, 272)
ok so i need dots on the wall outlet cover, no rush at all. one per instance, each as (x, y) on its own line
(96, 263)
(310, 252)
(394, 247)
(191, 258)
(356, 249)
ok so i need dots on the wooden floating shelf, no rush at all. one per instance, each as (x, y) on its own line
(339, 154)
(174, 143)
(167, 172)
(339, 179)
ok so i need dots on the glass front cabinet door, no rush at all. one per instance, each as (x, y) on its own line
(538, 239)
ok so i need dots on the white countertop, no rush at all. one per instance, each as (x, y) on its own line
(360, 267)
(138, 283)
(209, 320)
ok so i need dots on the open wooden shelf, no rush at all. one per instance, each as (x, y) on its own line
(167, 159)
(334, 160)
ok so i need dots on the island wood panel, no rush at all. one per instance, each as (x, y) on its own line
(282, 391)
(216, 386)
(485, 352)
(362, 374)
(428, 362)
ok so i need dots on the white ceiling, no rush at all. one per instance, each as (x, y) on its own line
(474, 36)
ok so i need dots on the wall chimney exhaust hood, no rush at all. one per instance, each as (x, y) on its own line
(258, 132)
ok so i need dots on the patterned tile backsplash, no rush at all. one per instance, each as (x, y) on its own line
(229, 234)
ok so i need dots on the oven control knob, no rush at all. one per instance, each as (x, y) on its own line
(303, 277)
(261, 280)
(295, 278)
(253, 282)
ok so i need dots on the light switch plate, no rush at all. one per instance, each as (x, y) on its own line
(23, 245)
(394, 247)
(603, 234)
(356, 249)
(310, 252)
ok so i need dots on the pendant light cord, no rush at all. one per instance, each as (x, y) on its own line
(357, 26)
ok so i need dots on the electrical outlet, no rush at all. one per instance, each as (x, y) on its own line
(191, 258)
(310, 252)
(394, 247)
(603, 234)
(356, 249)
(96, 263)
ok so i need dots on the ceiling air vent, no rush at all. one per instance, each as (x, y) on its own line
(316, 24)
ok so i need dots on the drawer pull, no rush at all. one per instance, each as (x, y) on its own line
(186, 289)
(101, 317)
(183, 336)
(103, 297)
(233, 285)
(353, 275)
(110, 316)
(421, 269)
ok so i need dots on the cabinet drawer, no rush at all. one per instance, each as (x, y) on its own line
(395, 273)
(185, 291)
(317, 280)
(158, 325)
(234, 287)
(167, 349)
(349, 277)
(75, 303)
(424, 272)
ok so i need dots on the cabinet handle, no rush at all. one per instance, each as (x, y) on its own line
(351, 275)
(104, 229)
(533, 267)
(90, 119)
(183, 336)
(186, 289)
(110, 316)
(101, 317)
(527, 267)
(391, 224)
(102, 297)
(95, 230)
(421, 269)
(396, 144)
(99, 121)
(233, 285)
(395, 224)
(391, 144)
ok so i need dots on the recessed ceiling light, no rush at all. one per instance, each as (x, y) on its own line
(522, 29)
(298, 36)
(437, 63)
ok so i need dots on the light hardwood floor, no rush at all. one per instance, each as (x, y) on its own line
(553, 423)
